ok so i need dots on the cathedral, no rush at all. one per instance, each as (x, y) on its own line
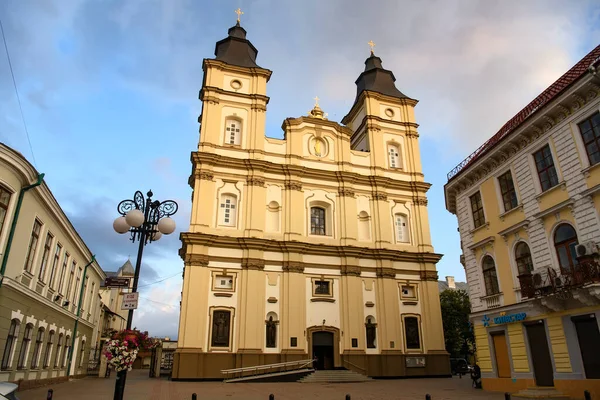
(311, 247)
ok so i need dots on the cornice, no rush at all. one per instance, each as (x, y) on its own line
(288, 171)
(540, 123)
(429, 275)
(255, 181)
(191, 238)
(27, 174)
(257, 264)
(257, 71)
(374, 121)
(292, 122)
(212, 93)
(378, 96)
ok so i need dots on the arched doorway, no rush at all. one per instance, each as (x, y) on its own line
(324, 345)
(323, 349)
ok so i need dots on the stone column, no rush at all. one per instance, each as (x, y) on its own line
(293, 308)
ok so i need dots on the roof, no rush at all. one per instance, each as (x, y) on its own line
(236, 49)
(443, 285)
(377, 79)
(562, 83)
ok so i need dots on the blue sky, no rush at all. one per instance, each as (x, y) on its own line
(110, 94)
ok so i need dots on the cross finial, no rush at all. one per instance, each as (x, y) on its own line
(316, 99)
(238, 12)
(372, 45)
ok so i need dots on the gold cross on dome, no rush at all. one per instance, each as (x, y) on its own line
(372, 45)
(238, 12)
(316, 99)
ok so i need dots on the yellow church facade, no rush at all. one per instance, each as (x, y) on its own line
(311, 247)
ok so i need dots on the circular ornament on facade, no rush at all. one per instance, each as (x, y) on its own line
(236, 84)
(389, 112)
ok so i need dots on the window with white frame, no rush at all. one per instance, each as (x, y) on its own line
(48, 350)
(545, 168)
(25, 346)
(394, 156)
(402, 233)
(39, 341)
(317, 221)
(11, 339)
(228, 210)
(4, 201)
(233, 131)
(489, 276)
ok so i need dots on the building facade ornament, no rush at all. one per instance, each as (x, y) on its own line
(346, 192)
(429, 276)
(379, 196)
(255, 181)
(293, 266)
(256, 264)
(352, 270)
(292, 185)
(205, 175)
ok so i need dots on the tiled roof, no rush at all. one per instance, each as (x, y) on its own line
(593, 57)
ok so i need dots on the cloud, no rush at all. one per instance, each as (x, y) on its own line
(159, 309)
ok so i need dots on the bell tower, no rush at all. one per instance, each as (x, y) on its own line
(383, 121)
(233, 95)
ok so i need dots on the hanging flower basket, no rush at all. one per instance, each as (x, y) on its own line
(124, 346)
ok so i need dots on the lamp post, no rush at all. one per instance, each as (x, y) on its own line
(146, 220)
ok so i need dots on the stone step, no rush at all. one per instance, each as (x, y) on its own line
(333, 376)
(543, 392)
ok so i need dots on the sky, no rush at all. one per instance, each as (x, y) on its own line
(109, 91)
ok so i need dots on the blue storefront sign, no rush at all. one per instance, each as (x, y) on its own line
(504, 319)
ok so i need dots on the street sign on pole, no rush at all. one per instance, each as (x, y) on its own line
(112, 281)
(130, 301)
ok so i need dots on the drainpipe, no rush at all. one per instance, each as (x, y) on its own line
(78, 312)
(13, 226)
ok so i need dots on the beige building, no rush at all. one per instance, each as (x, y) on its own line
(527, 203)
(316, 245)
(44, 276)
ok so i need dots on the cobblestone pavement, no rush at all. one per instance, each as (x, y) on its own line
(139, 387)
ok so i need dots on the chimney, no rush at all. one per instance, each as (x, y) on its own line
(450, 282)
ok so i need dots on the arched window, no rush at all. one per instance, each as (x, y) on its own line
(39, 341)
(401, 223)
(48, 351)
(58, 348)
(233, 131)
(11, 339)
(271, 330)
(489, 276)
(565, 241)
(82, 356)
(317, 221)
(228, 210)
(523, 258)
(394, 156)
(25, 346)
(371, 332)
(67, 349)
(364, 229)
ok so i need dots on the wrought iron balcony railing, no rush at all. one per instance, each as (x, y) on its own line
(551, 282)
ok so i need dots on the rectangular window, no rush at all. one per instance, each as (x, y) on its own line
(590, 133)
(323, 288)
(221, 326)
(11, 339)
(93, 298)
(4, 200)
(545, 168)
(54, 265)
(507, 189)
(33, 241)
(45, 257)
(477, 210)
(354, 342)
(39, 341)
(63, 271)
(76, 290)
(317, 221)
(71, 277)
(411, 332)
(84, 299)
(58, 348)
(293, 342)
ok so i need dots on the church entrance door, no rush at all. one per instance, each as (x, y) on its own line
(322, 349)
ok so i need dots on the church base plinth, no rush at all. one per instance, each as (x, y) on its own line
(192, 364)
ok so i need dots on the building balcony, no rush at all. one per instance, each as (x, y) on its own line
(493, 300)
(555, 288)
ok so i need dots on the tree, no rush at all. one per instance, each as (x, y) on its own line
(458, 330)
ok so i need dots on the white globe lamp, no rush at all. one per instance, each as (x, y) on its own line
(135, 218)
(156, 236)
(166, 226)
(120, 225)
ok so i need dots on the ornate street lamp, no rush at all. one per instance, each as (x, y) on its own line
(147, 221)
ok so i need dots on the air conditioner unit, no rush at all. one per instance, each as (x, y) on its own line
(586, 249)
